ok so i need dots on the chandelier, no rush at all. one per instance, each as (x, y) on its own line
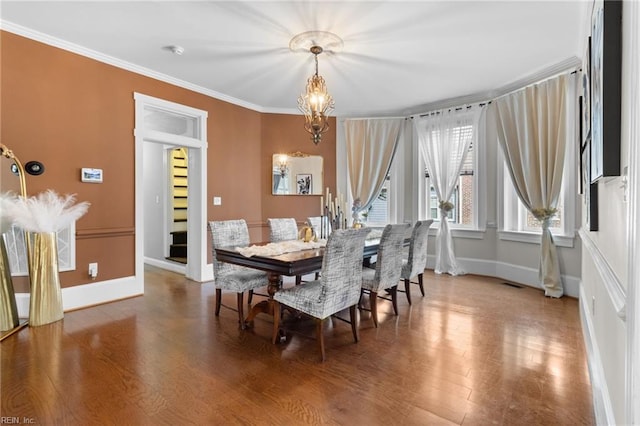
(316, 103)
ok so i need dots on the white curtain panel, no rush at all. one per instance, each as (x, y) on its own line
(532, 131)
(371, 145)
(444, 139)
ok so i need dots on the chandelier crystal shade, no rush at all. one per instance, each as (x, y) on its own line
(316, 103)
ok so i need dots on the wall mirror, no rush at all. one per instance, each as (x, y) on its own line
(297, 174)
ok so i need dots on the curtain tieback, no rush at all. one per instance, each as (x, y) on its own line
(544, 216)
(446, 206)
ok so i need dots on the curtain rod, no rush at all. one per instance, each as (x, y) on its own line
(481, 104)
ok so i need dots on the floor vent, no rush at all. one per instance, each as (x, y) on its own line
(512, 285)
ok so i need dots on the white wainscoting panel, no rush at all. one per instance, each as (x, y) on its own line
(602, 407)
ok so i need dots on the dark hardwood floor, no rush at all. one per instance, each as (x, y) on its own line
(473, 351)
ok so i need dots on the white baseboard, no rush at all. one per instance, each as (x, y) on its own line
(602, 407)
(509, 272)
(89, 294)
(169, 266)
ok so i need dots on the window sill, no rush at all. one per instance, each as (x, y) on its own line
(534, 238)
(474, 234)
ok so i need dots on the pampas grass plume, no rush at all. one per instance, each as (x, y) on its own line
(45, 212)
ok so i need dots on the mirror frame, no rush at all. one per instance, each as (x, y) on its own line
(316, 183)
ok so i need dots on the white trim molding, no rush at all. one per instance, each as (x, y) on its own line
(611, 282)
(166, 265)
(631, 98)
(85, 295)
(197, 268)
(512, 273)
(119, 63)
(535, 237)
(603, 410)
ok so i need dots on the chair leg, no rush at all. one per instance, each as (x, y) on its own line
(250, 297)
(421, 286)
(373, 301)
(317, 275)
(298, 279)
(218, 300)
(241, 311)
(394, 298)
(320, 337)
(354, 326)
(407, 290)
(276, 321)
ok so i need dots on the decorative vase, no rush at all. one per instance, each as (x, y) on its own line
(45, 305)
(307, 233)
(8, 308)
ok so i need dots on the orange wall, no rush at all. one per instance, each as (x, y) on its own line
(69, 112)
(286, 134)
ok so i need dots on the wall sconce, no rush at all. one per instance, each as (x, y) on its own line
(283, 165)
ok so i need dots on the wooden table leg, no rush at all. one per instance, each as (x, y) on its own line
(266, 306)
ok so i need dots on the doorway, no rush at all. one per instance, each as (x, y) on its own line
(161, 126)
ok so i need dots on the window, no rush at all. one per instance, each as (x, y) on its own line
(378, 213)
(516, 223)
(463, 212)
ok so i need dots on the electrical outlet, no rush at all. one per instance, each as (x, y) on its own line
(93, 270)
(217, 201)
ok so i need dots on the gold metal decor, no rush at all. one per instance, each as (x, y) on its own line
(8, 309)
(45, 305)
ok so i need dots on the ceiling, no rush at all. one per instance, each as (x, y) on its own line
(398, 57)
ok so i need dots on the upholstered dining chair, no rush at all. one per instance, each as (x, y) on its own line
(416, 262)
(233, 233)
(316, 222)
(386, 274)
(338, 287)
(283, 229)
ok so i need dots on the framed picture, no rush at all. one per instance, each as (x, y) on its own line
(585, 99)
(605, 75)
(304, 184)
(590, 190)
(585, 177)
(596, 89)
(91, 175)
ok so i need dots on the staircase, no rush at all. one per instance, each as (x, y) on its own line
(178, 247)
(178, 169)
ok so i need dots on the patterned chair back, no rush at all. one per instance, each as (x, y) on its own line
(227, 233)
(417, 260)
(389, 261)
(316, 222)
(283, 229)
(341, 278)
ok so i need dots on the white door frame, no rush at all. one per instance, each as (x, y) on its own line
(197, 268)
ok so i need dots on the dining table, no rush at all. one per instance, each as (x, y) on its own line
(299, 262)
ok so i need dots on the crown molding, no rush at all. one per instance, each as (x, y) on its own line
(119, 63)
(566, 65)
(563, 66)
